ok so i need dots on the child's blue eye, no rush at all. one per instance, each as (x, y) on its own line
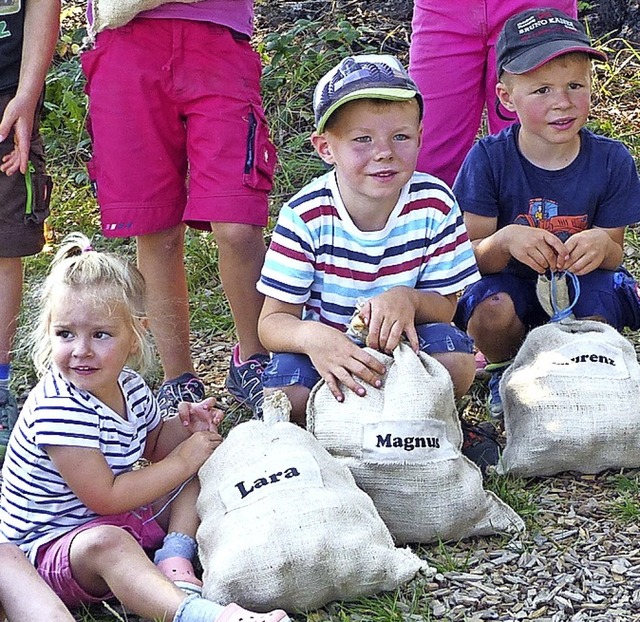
(63, 334)
(362, 139)
(401, 137)
(101, 334)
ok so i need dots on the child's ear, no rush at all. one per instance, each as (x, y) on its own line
(322, 147)
(502, 91)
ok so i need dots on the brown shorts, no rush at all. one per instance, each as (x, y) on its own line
(24, 199)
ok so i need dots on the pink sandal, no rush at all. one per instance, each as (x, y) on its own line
(235, 613)
(179, 570)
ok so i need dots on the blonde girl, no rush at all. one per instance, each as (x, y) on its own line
(71, 498)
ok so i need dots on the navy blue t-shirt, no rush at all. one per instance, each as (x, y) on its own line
(599, 188)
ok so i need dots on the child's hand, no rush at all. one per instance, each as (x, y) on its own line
(197, 448)
(200, 417)
(537, 248)
(587, 250)
(340, 360)
(389, 316)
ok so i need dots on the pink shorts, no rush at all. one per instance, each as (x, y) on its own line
(178, 129)
(53, 558)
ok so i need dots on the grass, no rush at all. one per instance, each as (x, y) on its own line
(294, 59)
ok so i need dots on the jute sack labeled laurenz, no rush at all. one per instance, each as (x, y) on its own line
(285, 526)
(570, 401)
(115, 13)
(402, 443)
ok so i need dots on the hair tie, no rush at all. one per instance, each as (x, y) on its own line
(87, 248)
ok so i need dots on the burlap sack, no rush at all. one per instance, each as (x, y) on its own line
(571, 401)
(402, 445)
(285, 526)
(116, 13)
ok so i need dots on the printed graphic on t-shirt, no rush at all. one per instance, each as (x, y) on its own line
(8, 7)
(543, 214)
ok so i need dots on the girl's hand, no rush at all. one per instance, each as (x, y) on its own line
(201, 416)
(196, 449)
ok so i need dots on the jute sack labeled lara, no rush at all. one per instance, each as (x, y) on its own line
(116, 13)
(402, 444)
(570, 401)
(283, 525)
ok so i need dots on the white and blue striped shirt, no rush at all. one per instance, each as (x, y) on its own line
(319, 258)
(37, 505)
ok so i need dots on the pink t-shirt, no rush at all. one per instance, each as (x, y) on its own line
(235, 14)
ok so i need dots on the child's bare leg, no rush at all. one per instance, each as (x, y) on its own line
(496, 329)
(23, 593)
(107, 558)
(241, 255)
(462, 369)
(178, 551)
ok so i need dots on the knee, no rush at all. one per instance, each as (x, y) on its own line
(102, 540)
(493, 313)
(165, 242)
(238, 236)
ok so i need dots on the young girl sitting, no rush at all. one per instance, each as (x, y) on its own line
(71, 498)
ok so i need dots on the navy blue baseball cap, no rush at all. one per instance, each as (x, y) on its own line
(535, 36)
(366, 76)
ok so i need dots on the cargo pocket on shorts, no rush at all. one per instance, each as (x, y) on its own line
(38, 187)
(260, 160)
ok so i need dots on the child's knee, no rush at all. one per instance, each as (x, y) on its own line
(94, 542)
(493, 313)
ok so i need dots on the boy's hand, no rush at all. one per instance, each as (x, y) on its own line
(339, 360)
(537, 248)
(201, 416)
(587, 251)
(389, 316)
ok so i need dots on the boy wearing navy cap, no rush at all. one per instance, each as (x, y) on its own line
(370, 229)
(546, 195)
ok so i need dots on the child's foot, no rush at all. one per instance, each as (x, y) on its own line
(179, 570)
(235, 613)
(495, 410)
(480, 444)
(184, 388)
(244, 381)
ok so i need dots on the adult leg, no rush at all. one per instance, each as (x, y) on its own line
(23, 593)
(241, 255)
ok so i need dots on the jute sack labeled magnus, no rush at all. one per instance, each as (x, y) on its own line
(116, 13)
(402, 444)
(570, 401)
(285, 526)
